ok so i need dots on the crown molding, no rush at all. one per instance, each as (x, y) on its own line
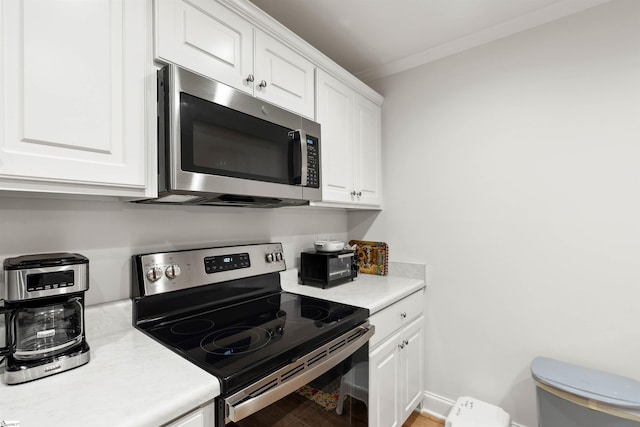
(524, 22)
(261, 20)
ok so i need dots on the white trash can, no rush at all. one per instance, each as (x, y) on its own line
(575, 396)
(470, 412)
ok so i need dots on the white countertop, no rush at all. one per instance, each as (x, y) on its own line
(367, 290)
(131, 380)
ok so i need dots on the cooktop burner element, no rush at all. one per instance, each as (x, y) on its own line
(192, 326)
(235, 340)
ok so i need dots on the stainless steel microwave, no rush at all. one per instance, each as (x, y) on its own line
(220, 146)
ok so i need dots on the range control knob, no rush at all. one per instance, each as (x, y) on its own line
(278, 256)
(154, 274)
(269, 257)
(172, 271)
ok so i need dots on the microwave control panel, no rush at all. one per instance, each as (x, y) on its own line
(313, 164)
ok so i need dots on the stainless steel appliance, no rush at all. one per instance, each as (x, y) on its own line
(224, 310)
(221, 146)
(44, 315)
(326, 269)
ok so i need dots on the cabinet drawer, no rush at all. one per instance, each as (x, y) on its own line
(396, 316)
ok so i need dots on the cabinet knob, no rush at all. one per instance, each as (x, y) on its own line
(263, 84)
(359, 194)
(405, 342)
(353, 194)
(403, 315)
(249, 78)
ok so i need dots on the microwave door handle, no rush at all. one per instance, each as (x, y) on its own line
(300, 167)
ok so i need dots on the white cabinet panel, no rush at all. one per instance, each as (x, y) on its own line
(55, 76)
(207, 38)
(351, 146)
(412, 367)
(396, 316)
(201, 417)
(193, 420)
(283, 77)
(384, 389)
(335, 114)
(367, 146)
(396, 362)
(73, 93)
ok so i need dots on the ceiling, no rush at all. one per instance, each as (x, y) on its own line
(376, 38)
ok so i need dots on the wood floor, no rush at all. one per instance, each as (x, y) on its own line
(297, 411)
(423, 420)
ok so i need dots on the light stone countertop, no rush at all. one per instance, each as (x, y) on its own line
(367, 290)
(131, 380)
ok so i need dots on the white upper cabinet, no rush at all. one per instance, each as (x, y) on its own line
(335, 115)
(282, 76)
(206, 37)
(367, 152)
(350, 145)
(73, 96)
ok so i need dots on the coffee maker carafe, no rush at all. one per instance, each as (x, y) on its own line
(44, 315)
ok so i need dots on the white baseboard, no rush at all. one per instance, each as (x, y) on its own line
(439, 407)
(436, 405)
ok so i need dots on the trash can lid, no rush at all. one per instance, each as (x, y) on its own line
(587, 383)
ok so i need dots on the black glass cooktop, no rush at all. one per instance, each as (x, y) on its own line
(240, 342)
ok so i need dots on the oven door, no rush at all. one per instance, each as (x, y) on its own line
(331, 382)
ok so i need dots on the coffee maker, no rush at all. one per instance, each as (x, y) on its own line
(44, 315)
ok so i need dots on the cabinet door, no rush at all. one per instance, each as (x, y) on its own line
(384, 384)
(282, 76)
(201, 417)
(207, 38)
(412, 367)
(367, 151)
(195, 419)
(335, 114)
(73, 95)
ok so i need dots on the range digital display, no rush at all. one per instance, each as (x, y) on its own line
(216, 264)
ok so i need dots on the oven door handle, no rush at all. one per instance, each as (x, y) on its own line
(293, 376)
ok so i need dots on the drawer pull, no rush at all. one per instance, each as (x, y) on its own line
(403, 314)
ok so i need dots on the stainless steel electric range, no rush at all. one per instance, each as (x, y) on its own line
(224, 310)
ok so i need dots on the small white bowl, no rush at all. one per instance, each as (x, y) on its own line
(329, 245)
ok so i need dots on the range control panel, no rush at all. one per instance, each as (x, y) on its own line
(169, 271)
(217, 264)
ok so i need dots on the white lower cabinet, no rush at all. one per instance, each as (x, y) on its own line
(201, 417)
(73, 96)
(396, 363)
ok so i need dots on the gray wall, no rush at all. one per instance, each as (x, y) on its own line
(109, 232)
(513, 171)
